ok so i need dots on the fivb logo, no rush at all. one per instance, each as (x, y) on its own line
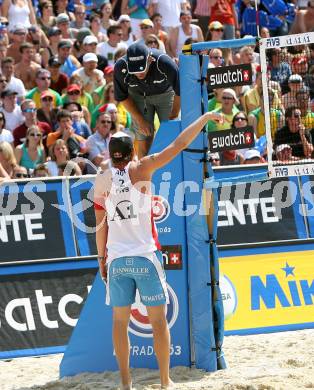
(229, 76)
(139, 322)
(231, 139)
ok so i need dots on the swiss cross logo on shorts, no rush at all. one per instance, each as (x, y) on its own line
(172, 257)
(160, 208)
(229, 76)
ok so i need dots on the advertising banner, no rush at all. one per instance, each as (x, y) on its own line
(229, 76)
(34, 222)
(231, 139)
(273, 291)
(40, 305)
(260, 212)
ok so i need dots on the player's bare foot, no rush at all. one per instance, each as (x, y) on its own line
(170, 386)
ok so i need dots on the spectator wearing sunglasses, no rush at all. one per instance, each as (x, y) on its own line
(30, 119)
(32, 151)
(17, 37)
(7, 160)
(228, 109)
(216, 58)
(224, 12)
(294, 134)
(47, 113)
(43, 82)
(20, 172)
(98, 143)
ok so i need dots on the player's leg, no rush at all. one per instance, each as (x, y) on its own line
(122, 290)
(158, 321)
(121, 343)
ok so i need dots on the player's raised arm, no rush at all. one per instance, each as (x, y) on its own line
(158, 160)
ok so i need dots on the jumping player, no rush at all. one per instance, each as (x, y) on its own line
(128, 250)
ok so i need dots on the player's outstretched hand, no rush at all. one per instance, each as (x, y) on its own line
(215, 116)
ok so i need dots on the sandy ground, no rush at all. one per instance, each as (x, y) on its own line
(260, 362)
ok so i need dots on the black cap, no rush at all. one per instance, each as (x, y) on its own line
(120, 147)
(64, 43)
(8, 92)
(54, 61)
(53, 31)
(137, 58)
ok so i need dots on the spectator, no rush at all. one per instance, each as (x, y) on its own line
(41, 171)
(18, 37)
(202, 13)
(37, 38)
(304, 20)
(95, 24)
(97, 143)
(252, 98)
(170, 12)
(108, 49)
(214, 159)
(280, 69)
(54, 36)
(3, 83)
(11, 111)
(89, 46)
(75, 143)
(32, 151)
(3, 50)
(63, 24)
(216, 57)
(79, 15)
(215, 102)
(303, 103)
(140, 83)
(29, 119)
(46, 20)
(293, 134)
(77, 49)
(252, 156)
(79, 125)
(13, 83)
(215, 31)
(137, 12)
(159, 32)
(47, 113)
(59, 153)
(68, 62)
(106, 20)
(7, 160)
(181, 33)
(152, 42)
(264, 32)
(59, 80)
(295, 83)
(75, 94)
(284, 154)
(228, 110)
(71, 168)
(60, 7)
(5, 135)
(128, 37)
(26, 69)
(21, 13)
(91, 77)
(224, 11)
(231, 157)
(299, 65)
(43, 82)
(20, 172)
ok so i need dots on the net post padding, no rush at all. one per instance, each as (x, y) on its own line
(199, 273)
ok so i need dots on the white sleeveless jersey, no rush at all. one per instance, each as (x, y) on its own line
(131, 228)
(182, 37)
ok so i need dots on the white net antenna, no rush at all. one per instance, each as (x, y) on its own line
(288, 92)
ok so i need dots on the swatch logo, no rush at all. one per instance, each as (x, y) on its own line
(231, 139)
(229, 76)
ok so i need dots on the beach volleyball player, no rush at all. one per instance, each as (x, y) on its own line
(128, 250)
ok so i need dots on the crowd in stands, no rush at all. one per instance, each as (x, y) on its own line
(59, 102)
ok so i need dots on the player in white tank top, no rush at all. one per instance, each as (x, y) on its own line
(124, 226)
